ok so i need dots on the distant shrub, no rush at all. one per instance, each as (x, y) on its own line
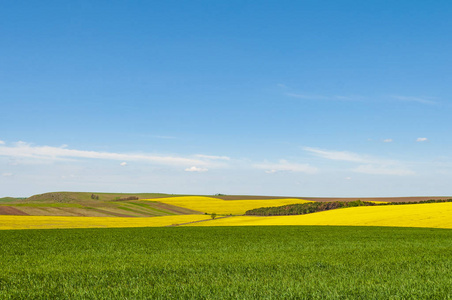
(304, 208)
(126, 198)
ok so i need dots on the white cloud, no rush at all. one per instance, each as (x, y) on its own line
(348, 178)
(369, 164)
(323, 97)
(423, 139)
(423, 100)
(284, 165)
(196, 169)
(382, 170)
(388, 141)
(7, 174)
(339, 155)
(213, 157)
(163, 137)
(123, 164)
(24, 150)
(2, 142)
(270, 171)
(307, 97)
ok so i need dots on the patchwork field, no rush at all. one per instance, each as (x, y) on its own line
(90, 205)
(224, 207)
(432, 215)
(96, 253)
(97, 210)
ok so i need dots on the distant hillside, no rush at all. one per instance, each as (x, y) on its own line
(91, 205)
(75, 197)
(10, 199)
(95, 204)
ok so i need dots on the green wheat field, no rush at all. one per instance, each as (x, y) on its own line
(268, 262)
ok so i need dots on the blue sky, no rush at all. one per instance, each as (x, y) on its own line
(301, 98)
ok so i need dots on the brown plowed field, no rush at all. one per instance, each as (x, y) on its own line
(384, 199)
(252, 197)
(110, 213)
(331, 199)
(8, 210)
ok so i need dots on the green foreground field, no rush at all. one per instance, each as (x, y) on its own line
(281, 262)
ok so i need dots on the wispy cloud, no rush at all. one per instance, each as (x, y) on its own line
(28, 151)
(421, 139)
(164, 137)
(388, 140)
(382, 170)
(212, 157)
(123, 164)
(422, 100)
(196, 169)
(368, 164)
(340, 155)
(2, 142)
(322, 97)
(284, 165)
(308, 96)
(7, 174)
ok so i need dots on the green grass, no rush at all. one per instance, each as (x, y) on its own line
(86, 196)
(131, 210)
(46, 205)
(10, 199)
(227, 263)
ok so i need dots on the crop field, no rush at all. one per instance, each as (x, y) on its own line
(46, 222)
(433, 215)
(225, 207)
(170, 249)
(270, 262)
(90, 205)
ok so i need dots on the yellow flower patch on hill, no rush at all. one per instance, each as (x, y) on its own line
(219, 206)
(432, 215)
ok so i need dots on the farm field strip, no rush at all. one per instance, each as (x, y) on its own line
(47, 222)
(219, 206)
(431, 215)
(148, 211)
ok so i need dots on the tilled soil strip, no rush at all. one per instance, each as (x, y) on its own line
(9, 210)
(112, 213)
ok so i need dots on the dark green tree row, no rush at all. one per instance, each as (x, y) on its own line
(312, 207)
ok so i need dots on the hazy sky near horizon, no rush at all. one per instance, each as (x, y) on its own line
(301, 98)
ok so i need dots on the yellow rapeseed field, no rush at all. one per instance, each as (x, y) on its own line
(219, 206)
(432, 215)
(46, 222)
